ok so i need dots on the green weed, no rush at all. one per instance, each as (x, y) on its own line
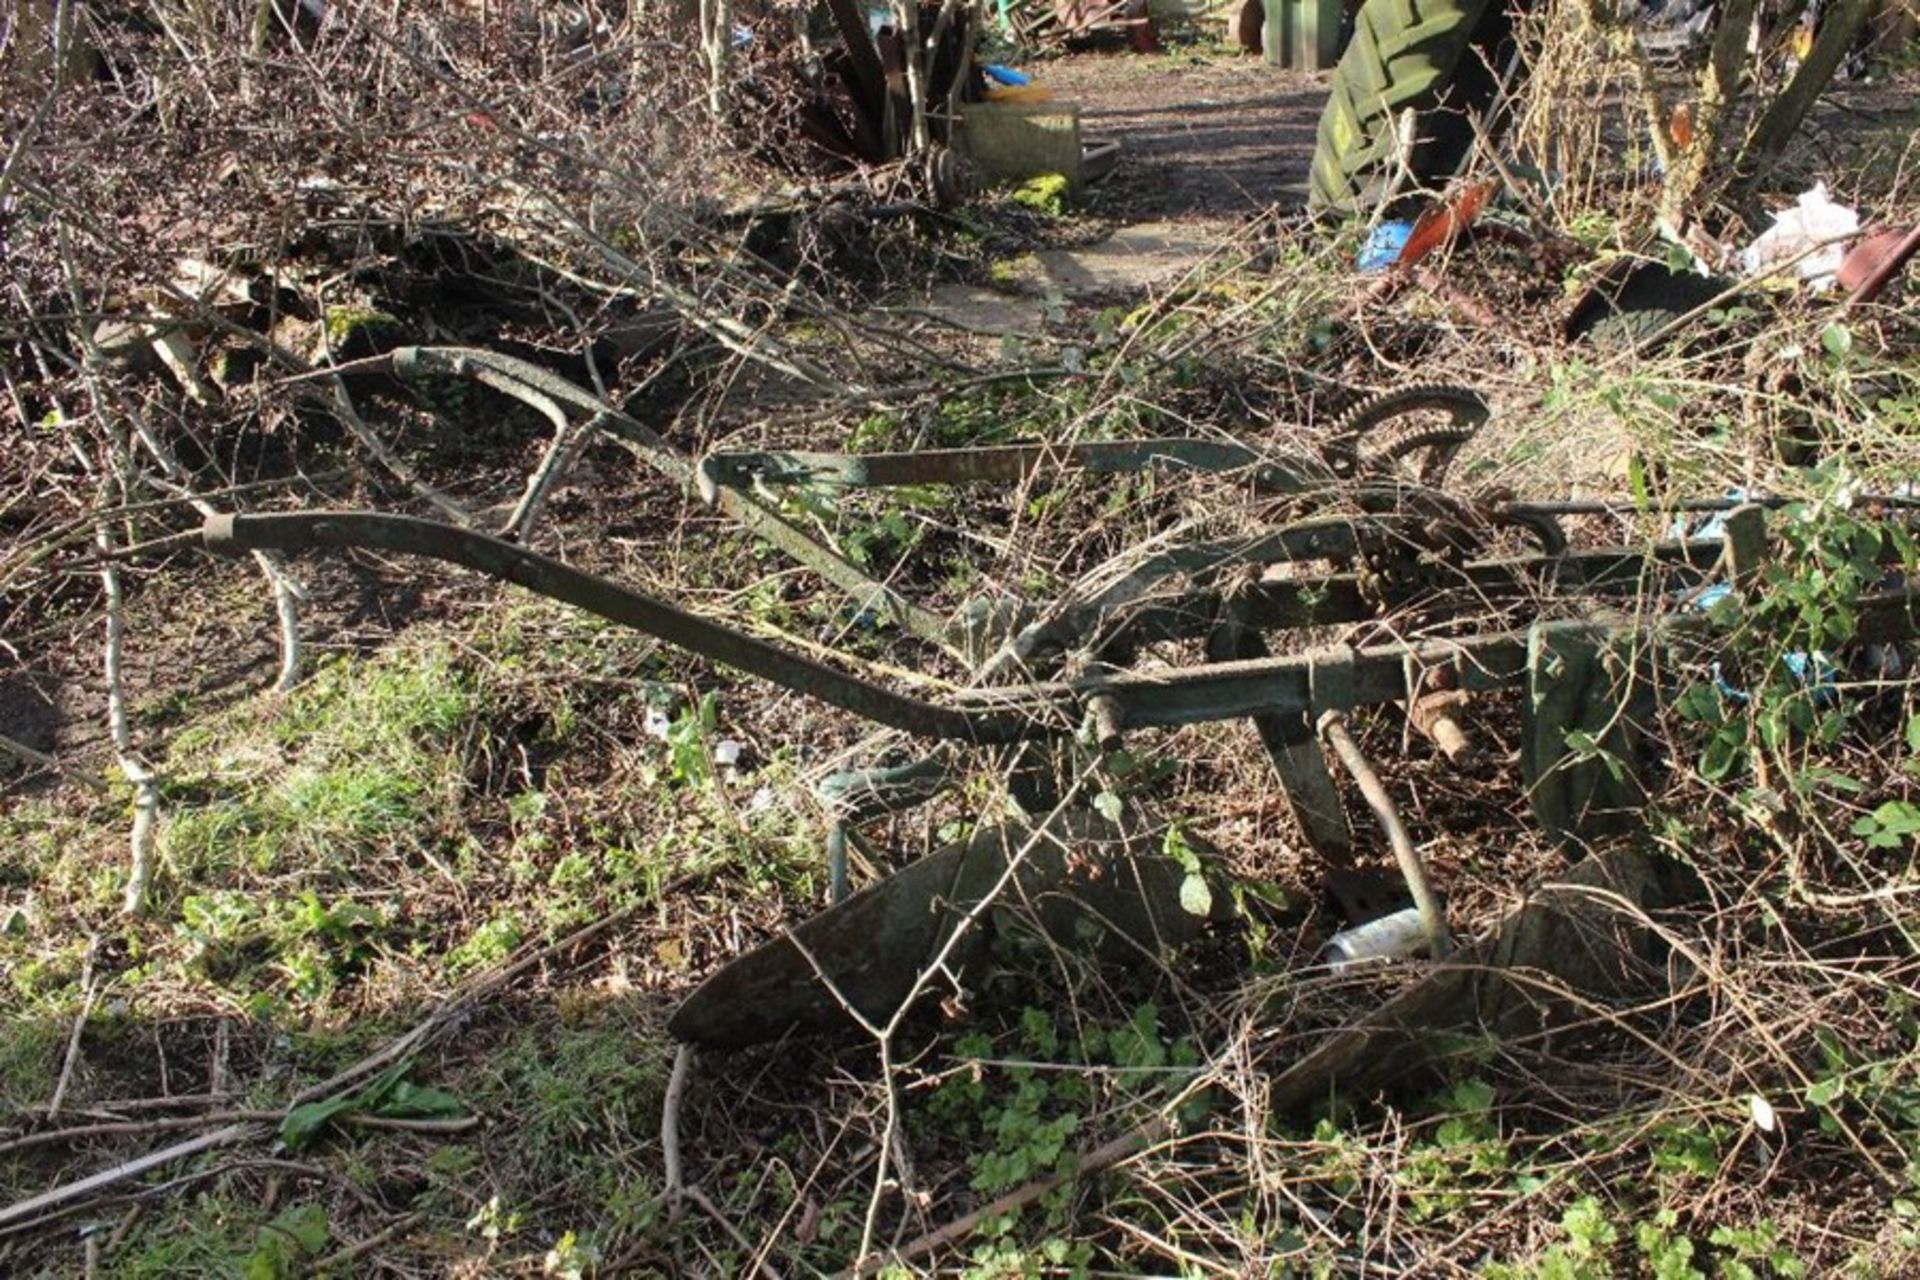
(364, 756)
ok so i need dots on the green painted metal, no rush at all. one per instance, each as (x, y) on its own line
(865, 957)
(1589, 694)
(998, 464)
(528, 382)
(1222, 691)
(342, 530)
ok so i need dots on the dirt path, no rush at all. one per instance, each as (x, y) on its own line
(1204, 137)
(1208, 141)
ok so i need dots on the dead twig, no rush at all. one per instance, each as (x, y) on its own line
(86, 777)
(360, 1248)
(670, 1130)
(1099, 1159)
(90, 993)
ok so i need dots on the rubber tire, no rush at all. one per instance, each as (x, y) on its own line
(1435, 57)
(1637, 311)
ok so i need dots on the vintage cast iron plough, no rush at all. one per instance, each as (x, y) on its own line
(1408, 597)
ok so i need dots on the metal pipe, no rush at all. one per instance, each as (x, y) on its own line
(1220, 691)
(1003, 464)
(1333, 727)
(298, 531)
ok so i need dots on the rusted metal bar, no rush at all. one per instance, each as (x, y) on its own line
(998, 464)
(341, 530)
(1435, 716)
(1333, 727)
(1685, 506)
(516, 378)
(1342, 598)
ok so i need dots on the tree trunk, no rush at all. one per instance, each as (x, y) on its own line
(1785, 113)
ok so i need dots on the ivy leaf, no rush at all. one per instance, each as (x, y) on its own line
(303, 1124)
(1837, 339)
(1725, 755)
(1108, 806)
(1196, 898)
(1824, 1093)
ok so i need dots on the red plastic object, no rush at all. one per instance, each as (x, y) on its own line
(1441, 223)
(1872, 262)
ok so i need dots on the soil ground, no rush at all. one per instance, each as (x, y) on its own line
(1203, 138)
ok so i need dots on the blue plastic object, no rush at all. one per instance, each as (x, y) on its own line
(1383, 247)
(1006, 75)
(1817, 670)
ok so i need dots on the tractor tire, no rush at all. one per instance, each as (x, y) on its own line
(1436, 58)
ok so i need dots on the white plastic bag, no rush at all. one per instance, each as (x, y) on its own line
(1814, 219)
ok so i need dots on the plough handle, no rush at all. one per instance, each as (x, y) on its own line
(410, 535)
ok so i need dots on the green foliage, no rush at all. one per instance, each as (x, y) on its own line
(311, 945)
(1870, 1090)
(1669, 1254)
(390, 1096)
(690, 743)
(284, 1248)
(1689, 1149)
(1196, 896)
(1803, 608)
(1584, 1255)
(576, 1092)
(1890, 825)
(351, 327)
(884, 540)
(1754, 1253)
(1046, 193)
(1020, 1116)
(358, 758)
(1464, 1154)
(488, 945)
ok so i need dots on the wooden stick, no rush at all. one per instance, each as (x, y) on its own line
(670, 1130)
(1101, 1158)
(92, 993)
(86, 777)
(23, 1210)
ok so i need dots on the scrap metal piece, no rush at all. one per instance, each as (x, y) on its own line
(1435, 716)
(868, 954)
(1444, 221)
(1878, 257)
(1581, 737)
(993, 464)
(297, 531)
(1297, 760)
(1364, 439)
(861, 795)
(1333, 727)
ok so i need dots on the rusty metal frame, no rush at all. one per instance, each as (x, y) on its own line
(1002, 464)
(1282, 686)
